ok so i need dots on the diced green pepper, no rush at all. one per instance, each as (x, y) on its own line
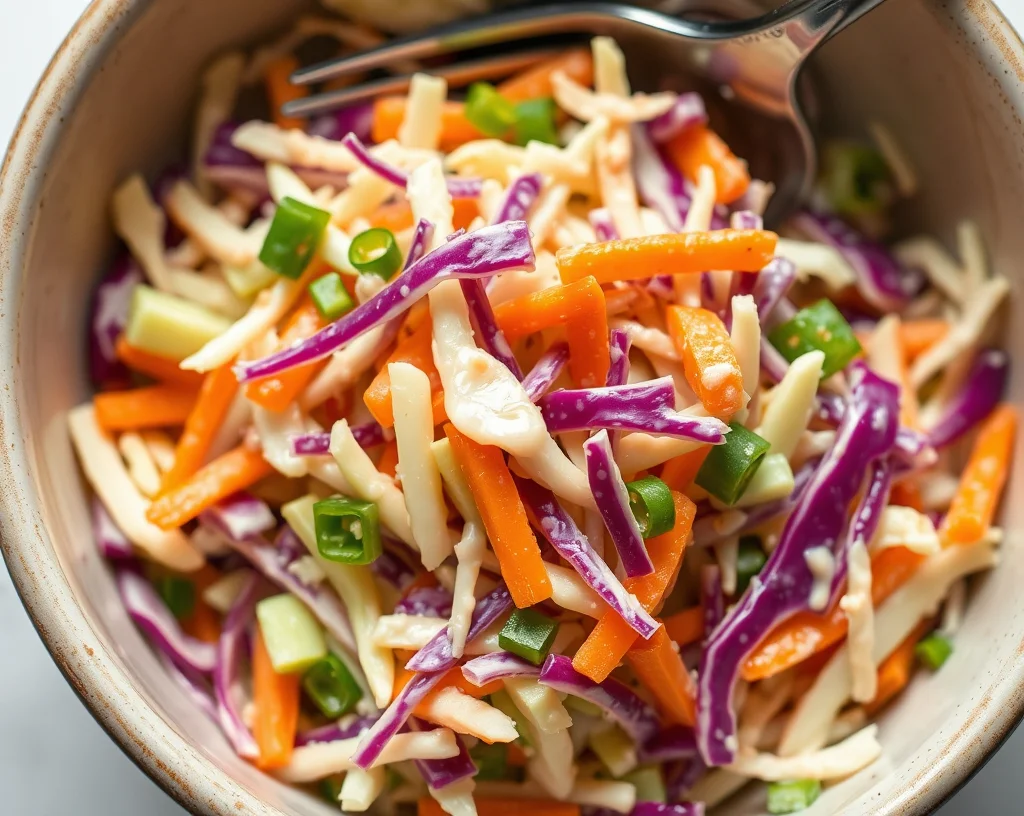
(490, 112)
(347, 530)
(650, 787)
(933, 650)
(729, 467)
(750, 560)
(331, 687)
(856, 179)
(819, 327)
(170, 326)
(292, 635)
(178, 593)
(293, 238)
(535, 121)
(651, 502)
(330, 296)
(375, 252)
(529, 634)
(792, 797)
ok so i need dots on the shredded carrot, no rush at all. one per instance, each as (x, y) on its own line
(679, 473)
(806, 633)
(280, 90)
(204, 622)
(686, 626)
(235, 470)
(908, 394)
(155, 366)
(428, 806)
(388, 462)
(612, 637)
(211, 406)
(154, 406)
(580, 308)
(535, 82)
(397, 215)
(516, 756)
(709, 360)
(275, 699)
(504, 518)
(417, 351)
(659, 667)
(700, 145)
(971, 511)
(920, 335)
(456, 129)
(894, 672)
(907, 493)
(625, 259)
(278, 392)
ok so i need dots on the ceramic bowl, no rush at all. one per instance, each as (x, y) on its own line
(948, 79)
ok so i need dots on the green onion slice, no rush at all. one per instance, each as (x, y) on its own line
(375, 252)
(330, 296)
(331, 687)
(856, 179)
(750, 560)
(347, 530)
(819, 327)
(730, 466)
(293, 238)
(178, 593)
(490, 112)
(933, 650)
(535, 121)
(651, 502)
(792, 796)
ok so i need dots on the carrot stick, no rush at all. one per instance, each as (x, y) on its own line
(204, 622)
(504, 518)
(657, 665)
(233, 471)
(894, 672)
(280, 90)
(152, 365)
(535, 82)
(395, 216)
(580, 308)
(685, 627)
(428, 806)
(805, 633)
(709, 360)
(700, 145)
(277, 393)
(679, 473)
(609, 641)
(211, 406)
(456, 129)
(154, 406)
(275, 699)
(971, 511)
(388, 463)
(627, 259)
(417, 351)
(919, 335)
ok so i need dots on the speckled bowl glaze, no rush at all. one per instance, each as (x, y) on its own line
(948, 77)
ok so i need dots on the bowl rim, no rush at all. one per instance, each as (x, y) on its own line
(97, 676)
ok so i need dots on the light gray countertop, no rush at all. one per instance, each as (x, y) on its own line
(54, 759)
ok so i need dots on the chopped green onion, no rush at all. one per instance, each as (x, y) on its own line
(331, 687)
(330, 789)
(650, 787)
(819, 327)
(933, 650)
(347, 530)
(490, 112)
(293, 238)
(178, 593)
(750, 560)
(292, 635)
(652, 505)
(529, 634)
(491, 761)
(535, 121)
(330, 296)
(501, 701)
(375, 252)
(729, 467)
(791, 797)
(856, 179)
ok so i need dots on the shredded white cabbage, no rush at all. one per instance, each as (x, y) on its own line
(764, 701)
(927, 254)
(421, 126)
(140, 223)
(647, 338)
(275, 430)
(856, 603)
(360, 788)
(161, 449)
(208, 227)
(972, 254)
(454, 709)
(570, 592)
(540, 704)
(901, 526)
(616, 183)
(746, 341)
(223, 592)
(896, 158)
(307, 570)
(953, 608)
(817, 261)
(836, 762)
(726, 552)
(219, 92)
(550, 207)
(792, 404)
(456, 799)
(140, 464)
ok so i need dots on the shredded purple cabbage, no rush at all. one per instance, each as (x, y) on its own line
(865, 518)
(674, 743)
(112, 543)
(548, 368)
(497, 666)
(618, 369)
(688, 111)
(490, 337)
(519, 198)
(981, 392)
(435, 601)
(318, 443)
(227, 681)
(335, 125)
(457, 187)
(440, 773)
(242, 515)
(711, 598)
(601, 220)
(335, 731)
(107, 321)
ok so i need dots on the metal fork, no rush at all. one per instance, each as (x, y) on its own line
(753, 64)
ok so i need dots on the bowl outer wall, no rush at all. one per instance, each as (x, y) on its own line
(111, 83)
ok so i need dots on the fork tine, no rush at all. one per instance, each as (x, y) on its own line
(457, 75)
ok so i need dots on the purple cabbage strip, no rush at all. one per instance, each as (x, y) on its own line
(883, 282)
(457, 187)
(658, 182)
(112, 543)
(773, 364)
(601, 220)
(612, 499)
(242, 515)
(335, 731)
(618, 370)
(480, 254)
(561, 532)
(683, 777)
(490, 337)
(497, 666)
(335, 125)
(420, 244)
(543, 375)
(711, 598)
(107, 320)
(153, 617)
(634, 716)
(912, 450)
(394, 718)
(981, 392)
(519, 198)
(661, 286)
(659, 809)
(393, 570)
(435, 601)
(440, 773)
(193, 685)
(746, 220)
(318, 443)
(674, 743)
(436, 656)
(783, 587)
(288, 545)
(865, 518)
(227, 681)
(648, 406)
(771, 285)
(687, 112)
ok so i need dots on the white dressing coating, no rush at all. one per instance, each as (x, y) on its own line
(359, 788)
(817, 261)
(807, 729)
(140, 223)
(220, 85)
(210, 228)
(317, 760)
(141, 467)
(463, 714)
(421, 126)
(856, 603)
(900, 526)
(108, 477)
(792, 404)
(822, 565)
(357, 590)
(368, 483)
(836, 762)
(421, 481)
